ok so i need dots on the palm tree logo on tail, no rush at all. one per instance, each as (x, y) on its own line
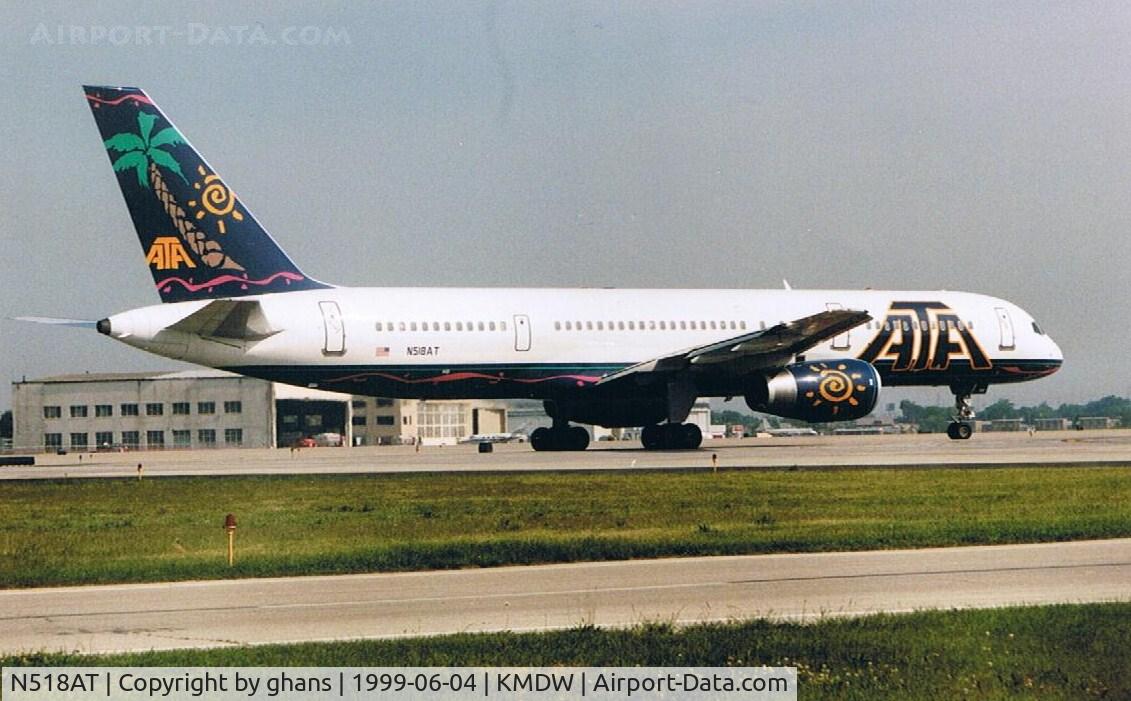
(146, 153)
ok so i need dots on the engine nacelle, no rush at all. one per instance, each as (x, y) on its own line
(819, 391)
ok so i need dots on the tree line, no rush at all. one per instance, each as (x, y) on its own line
(934, 419)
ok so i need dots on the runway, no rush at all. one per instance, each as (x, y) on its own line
(792, 587)
(818, 452)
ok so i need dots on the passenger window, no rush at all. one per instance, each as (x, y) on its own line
(557, 326)
(447, 326)
(632, 326)
(412, 326)
(491, 325)
(401, 326)
(600, 326)
(378, 325)
(480, 325)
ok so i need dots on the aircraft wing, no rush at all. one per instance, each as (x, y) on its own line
(758, 350)
(232, 319)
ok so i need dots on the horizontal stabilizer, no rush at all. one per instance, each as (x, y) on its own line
(227, 319)
(77, 323)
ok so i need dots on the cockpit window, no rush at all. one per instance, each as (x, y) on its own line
(1037, 328)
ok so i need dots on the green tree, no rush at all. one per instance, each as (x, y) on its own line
(929, 419)
(1001, 409)
(731, 418)
(6, 424)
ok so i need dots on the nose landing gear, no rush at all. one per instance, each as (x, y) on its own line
(963, 425)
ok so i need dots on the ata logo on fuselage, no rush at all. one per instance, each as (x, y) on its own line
(167, 253)
(919, 336)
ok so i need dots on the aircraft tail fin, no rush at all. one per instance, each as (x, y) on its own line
(199, 240)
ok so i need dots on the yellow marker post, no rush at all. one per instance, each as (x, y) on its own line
(139, 472)
(230, 527)
(714, 462)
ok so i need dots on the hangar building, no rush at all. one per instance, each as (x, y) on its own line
(213, 409)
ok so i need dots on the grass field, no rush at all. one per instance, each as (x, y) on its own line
(1070, 652)
(86, 531)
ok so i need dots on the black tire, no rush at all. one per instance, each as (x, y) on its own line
(541, 439)
(577, 438)
(652, 437)
(692, 436)
(963, 431)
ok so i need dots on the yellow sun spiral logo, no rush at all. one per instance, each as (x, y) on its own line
(215, 199)
(835, 386)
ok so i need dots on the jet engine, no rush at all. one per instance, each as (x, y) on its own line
(818, 391)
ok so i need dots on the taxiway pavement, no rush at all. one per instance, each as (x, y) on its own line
(680, 591)
(817, 452)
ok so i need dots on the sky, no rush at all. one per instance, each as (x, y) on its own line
(947, 145)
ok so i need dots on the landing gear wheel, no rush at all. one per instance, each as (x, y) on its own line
(577, 438)
(559, 438)
(692, 436)
(671, 437)
(963, 427)
(652, 437)
(960, 430)
(541, 439)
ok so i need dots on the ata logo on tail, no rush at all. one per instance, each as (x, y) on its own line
(918, 336)
(167, 253)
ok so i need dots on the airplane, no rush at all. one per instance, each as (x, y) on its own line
(495, 437)
(233, 300)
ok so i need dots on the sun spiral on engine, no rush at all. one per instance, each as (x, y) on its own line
(215, 199)
(835, 386)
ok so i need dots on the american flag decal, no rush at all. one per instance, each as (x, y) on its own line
(382, 351)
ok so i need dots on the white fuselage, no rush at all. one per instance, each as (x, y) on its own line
(411, 341)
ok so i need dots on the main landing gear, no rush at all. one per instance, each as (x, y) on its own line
(560, 437)
(963, 425)
(671, 436)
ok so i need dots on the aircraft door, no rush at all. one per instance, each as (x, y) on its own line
(841, 341)
(335, 343)
(1005, 324)
(521, 332)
